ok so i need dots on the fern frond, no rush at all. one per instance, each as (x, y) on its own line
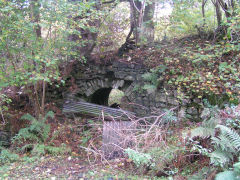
(49, 114)
(41, 149)
(205, 113)
(38, 150)
(236, 167)
(28, 117)
(45, 132)
(24, 134)
(223, 143)
(169, 117)
(231, 135)
(38, 131)
(202, 132)
(206, 130)
(26, 147)
(151, 77)
(219, 157)
(233, 175)
(227, 144)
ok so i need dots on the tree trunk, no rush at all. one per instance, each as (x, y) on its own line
(226, 8)
(218, 13)
(142, 21)
(87, 39)
(147, 29)
(35, 16)
(136, 9)
(203, 12)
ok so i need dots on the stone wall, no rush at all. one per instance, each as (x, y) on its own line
(128, 78)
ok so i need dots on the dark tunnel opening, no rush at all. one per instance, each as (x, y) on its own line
(101, 96)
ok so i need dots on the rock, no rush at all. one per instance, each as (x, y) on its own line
(129, 78)
(192, 111)
(161, 97)
(197, 100)
(172, 101)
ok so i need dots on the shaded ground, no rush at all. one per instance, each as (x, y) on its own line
(65, 167)
(45, 167)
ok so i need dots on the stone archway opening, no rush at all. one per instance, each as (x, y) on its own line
(107, 97)
(101, 96)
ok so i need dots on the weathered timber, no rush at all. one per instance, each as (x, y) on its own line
(96, 110)
(115, 129)
(116, 137)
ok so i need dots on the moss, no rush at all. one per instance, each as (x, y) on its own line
(218, 100)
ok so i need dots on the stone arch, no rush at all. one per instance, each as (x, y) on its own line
(93, 85)
(97, 90)
(93, 80)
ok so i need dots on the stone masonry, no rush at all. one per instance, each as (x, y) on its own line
(128, 78)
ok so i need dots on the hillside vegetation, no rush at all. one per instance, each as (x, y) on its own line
(189, 46)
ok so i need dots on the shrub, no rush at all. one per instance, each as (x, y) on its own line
(226, 144)
(37, 132)
(7, 157)
(225, 139)
(41, 149)
(34, 137)
(139, 159)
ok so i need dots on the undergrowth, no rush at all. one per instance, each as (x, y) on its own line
(221, 127)
(35, 138)
(215, 145)
(6, 156)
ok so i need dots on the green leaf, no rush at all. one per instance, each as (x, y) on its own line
(150, 88)
(230, 175)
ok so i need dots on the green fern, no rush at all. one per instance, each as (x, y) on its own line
(231, 135)
(35, 137)
(139, 159)
(149, 77)
(169, 117)
(63, 149)
(38, 131)
(211, 119)
(42, 149)
(233, 175)
(236, 167)
(207, 128)
(227, 145)
(203, 173)
(226, 141)
(153, 76)
(226, 175)
(220, 158)
(7, 157)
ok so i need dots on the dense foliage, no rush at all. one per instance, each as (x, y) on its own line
(34, 40)
(191, 45)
